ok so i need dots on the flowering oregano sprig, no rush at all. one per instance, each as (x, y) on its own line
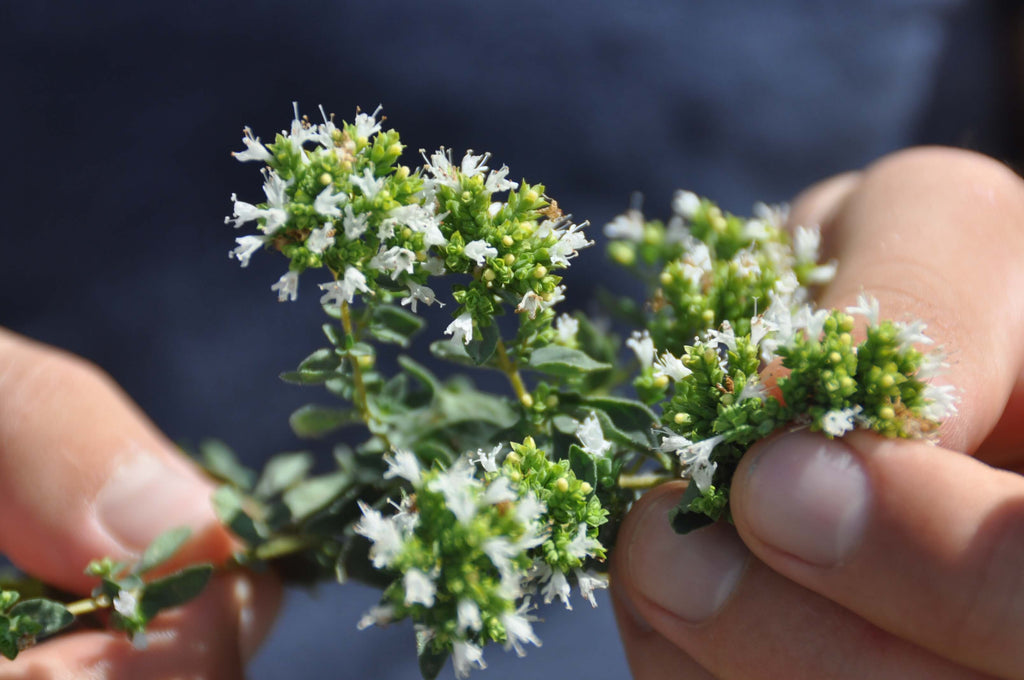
(470, 508)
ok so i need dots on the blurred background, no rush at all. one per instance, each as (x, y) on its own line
(118, 119)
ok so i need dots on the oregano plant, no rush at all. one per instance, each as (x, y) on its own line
(470, 508)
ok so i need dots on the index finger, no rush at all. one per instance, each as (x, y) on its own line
(963, 283)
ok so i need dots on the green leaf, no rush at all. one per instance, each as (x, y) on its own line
(631, 419)
(421, 373)
(481, 349)
(431, 659)
(394, 324)
(321, 360)
(49, 615)
(174, 590)
(162, 549)
(314, 494)
(229, 506)
(316, 421)
(333, 333)
(8, 639)
(221, 462)
(283, 471)
(583, 465)
(564, 361)
(684, 520)
(450, 351)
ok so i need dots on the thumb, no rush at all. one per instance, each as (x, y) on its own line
(84, 474)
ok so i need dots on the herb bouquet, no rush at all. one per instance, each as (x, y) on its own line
(469, 508)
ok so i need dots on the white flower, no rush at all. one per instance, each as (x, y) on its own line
(488, 459)
(629, 225)
(643, 347)
(440, 166)
(932, 364)
(421, 220)
(582, 545)
(287, 287)
(465, 655)
(752, 389)
(570, 240)
(685, 204)
(566, 328)
(479, 251)
(499, 491)
(320, 239)
(247, 246)
(243, 212)
(823, 273)
(467, 616)
(810, 320)
(383, 532)
(395, 259)
(434, 266)
(838, 422)
(866, 306)
(326, 203)
(461, 329)
(519, 631)
(589, 582)
(724, 336)
(756, 230)
(554, 297)
(126, 603)
(354, 224)
(590, 435)
(378, 615)
(496, 181)
(368, 184)
(696, 264)
(746, 264)
(300, 133)
(418, 293)
(557, 585)
(529, 509)
(336, 292)
(367, 125)
(474, 165)
(806, 242)
(459, 488)
(909, 334)
(941, 402)
(254, 151)
(531, 304)
(671, 366)
(774, 215)
(403, 464)
(419, 588)
(694, 456)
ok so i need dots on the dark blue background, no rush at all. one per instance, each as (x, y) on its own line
(118, 119)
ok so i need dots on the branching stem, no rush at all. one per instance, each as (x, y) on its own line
(512, 372)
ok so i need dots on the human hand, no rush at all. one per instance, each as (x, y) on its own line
(866, 557)
(83, 475)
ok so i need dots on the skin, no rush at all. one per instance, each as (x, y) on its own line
(929, 586)
(66, 431)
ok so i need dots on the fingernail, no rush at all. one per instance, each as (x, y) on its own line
(808, 496)
(146, 496)
(690, 575)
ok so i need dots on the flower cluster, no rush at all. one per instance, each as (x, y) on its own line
(746, 374)
(474, 543)
(337, 198)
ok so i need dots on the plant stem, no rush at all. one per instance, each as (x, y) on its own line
(88, 605)
(643, 481)
(357, 371)
(512, 372)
